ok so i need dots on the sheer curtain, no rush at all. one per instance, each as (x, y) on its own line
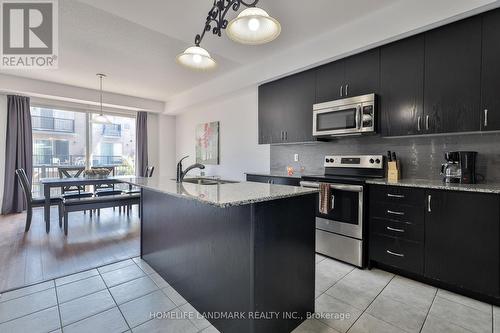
(18, 152)
(142, 143)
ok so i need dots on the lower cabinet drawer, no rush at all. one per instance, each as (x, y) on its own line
(403, 254)
(397, 195)
(404, 230)
(395, 211)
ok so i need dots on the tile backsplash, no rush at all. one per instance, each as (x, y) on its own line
(421, 156)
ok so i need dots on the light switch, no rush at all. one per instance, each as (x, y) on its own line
(296, 157)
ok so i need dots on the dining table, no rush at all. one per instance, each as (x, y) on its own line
(49, 183)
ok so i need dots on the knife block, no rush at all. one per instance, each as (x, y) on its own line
(393, 171)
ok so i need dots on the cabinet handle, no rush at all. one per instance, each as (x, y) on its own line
(347, 90)
(395, 254)
(395, 213)
(427, 123)
(341, 91)
(394, 229)
(286, 135)
(429, 207)
(395, 195)
(485, 117)
(419, 128)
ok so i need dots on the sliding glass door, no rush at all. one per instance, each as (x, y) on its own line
(113, 144)
(63, 138)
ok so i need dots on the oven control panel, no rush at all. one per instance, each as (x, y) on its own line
(354, 161)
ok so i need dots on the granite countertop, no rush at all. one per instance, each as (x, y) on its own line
(440, 185)
(221, 195)
(275, 174)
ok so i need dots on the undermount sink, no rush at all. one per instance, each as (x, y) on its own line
(207, 181)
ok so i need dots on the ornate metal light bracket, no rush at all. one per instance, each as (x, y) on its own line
(217, 16)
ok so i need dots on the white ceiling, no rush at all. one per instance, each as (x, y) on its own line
(135, 42)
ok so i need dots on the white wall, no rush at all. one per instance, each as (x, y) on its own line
(153, 153)
(73, 96)
(3, 136)
(239, 150)
(166, 146)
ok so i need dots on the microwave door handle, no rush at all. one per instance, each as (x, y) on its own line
(358, 116)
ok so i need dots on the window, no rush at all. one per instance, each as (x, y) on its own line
(114, 144)
(60, 139)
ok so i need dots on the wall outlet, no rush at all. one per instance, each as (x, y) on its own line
(296, 157)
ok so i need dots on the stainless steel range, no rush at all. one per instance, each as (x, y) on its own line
(340, 230)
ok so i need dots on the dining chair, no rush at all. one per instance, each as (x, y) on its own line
(36, 202)
(73, 191)
(148, 173)
(106, 189)
(101, 190)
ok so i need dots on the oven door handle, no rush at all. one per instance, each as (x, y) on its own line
(340, 187)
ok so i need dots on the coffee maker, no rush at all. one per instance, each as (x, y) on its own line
(460, 167)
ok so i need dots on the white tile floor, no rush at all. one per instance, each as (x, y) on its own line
(119, 298)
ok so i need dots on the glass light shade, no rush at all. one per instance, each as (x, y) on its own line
(196, 57)
(253, 26)
(101, 119)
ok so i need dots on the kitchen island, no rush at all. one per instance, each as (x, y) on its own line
(243, 254)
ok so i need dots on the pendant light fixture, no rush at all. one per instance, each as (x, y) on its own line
(101, 118)
(253, 26)
(196, 57)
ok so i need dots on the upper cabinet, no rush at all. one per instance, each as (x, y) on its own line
(285, 109)
(490, 73)
(453, 77)
(442, 81)
(353, 76)
(402, 87)
(362, 73)
(330, 81)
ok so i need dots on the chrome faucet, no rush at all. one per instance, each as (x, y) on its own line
(181, 174)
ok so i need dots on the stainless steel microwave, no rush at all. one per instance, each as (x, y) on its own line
(348, 116)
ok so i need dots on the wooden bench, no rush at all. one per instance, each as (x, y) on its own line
(79, 204)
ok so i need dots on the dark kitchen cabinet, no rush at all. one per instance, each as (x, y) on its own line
(453, 77)
(402, 87)
(330, 80)
(285, 109)
(462, 240)
(490, 73)
(349, 77)
(362, 73)
(450, 237)
(291, 181)
(396, 227)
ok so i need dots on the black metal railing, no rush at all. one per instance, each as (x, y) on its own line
(112, 130)
(58, 159)
(52, 124)
(101, 160)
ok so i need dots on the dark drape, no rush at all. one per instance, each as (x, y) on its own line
(142, 143)
(18, 153)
